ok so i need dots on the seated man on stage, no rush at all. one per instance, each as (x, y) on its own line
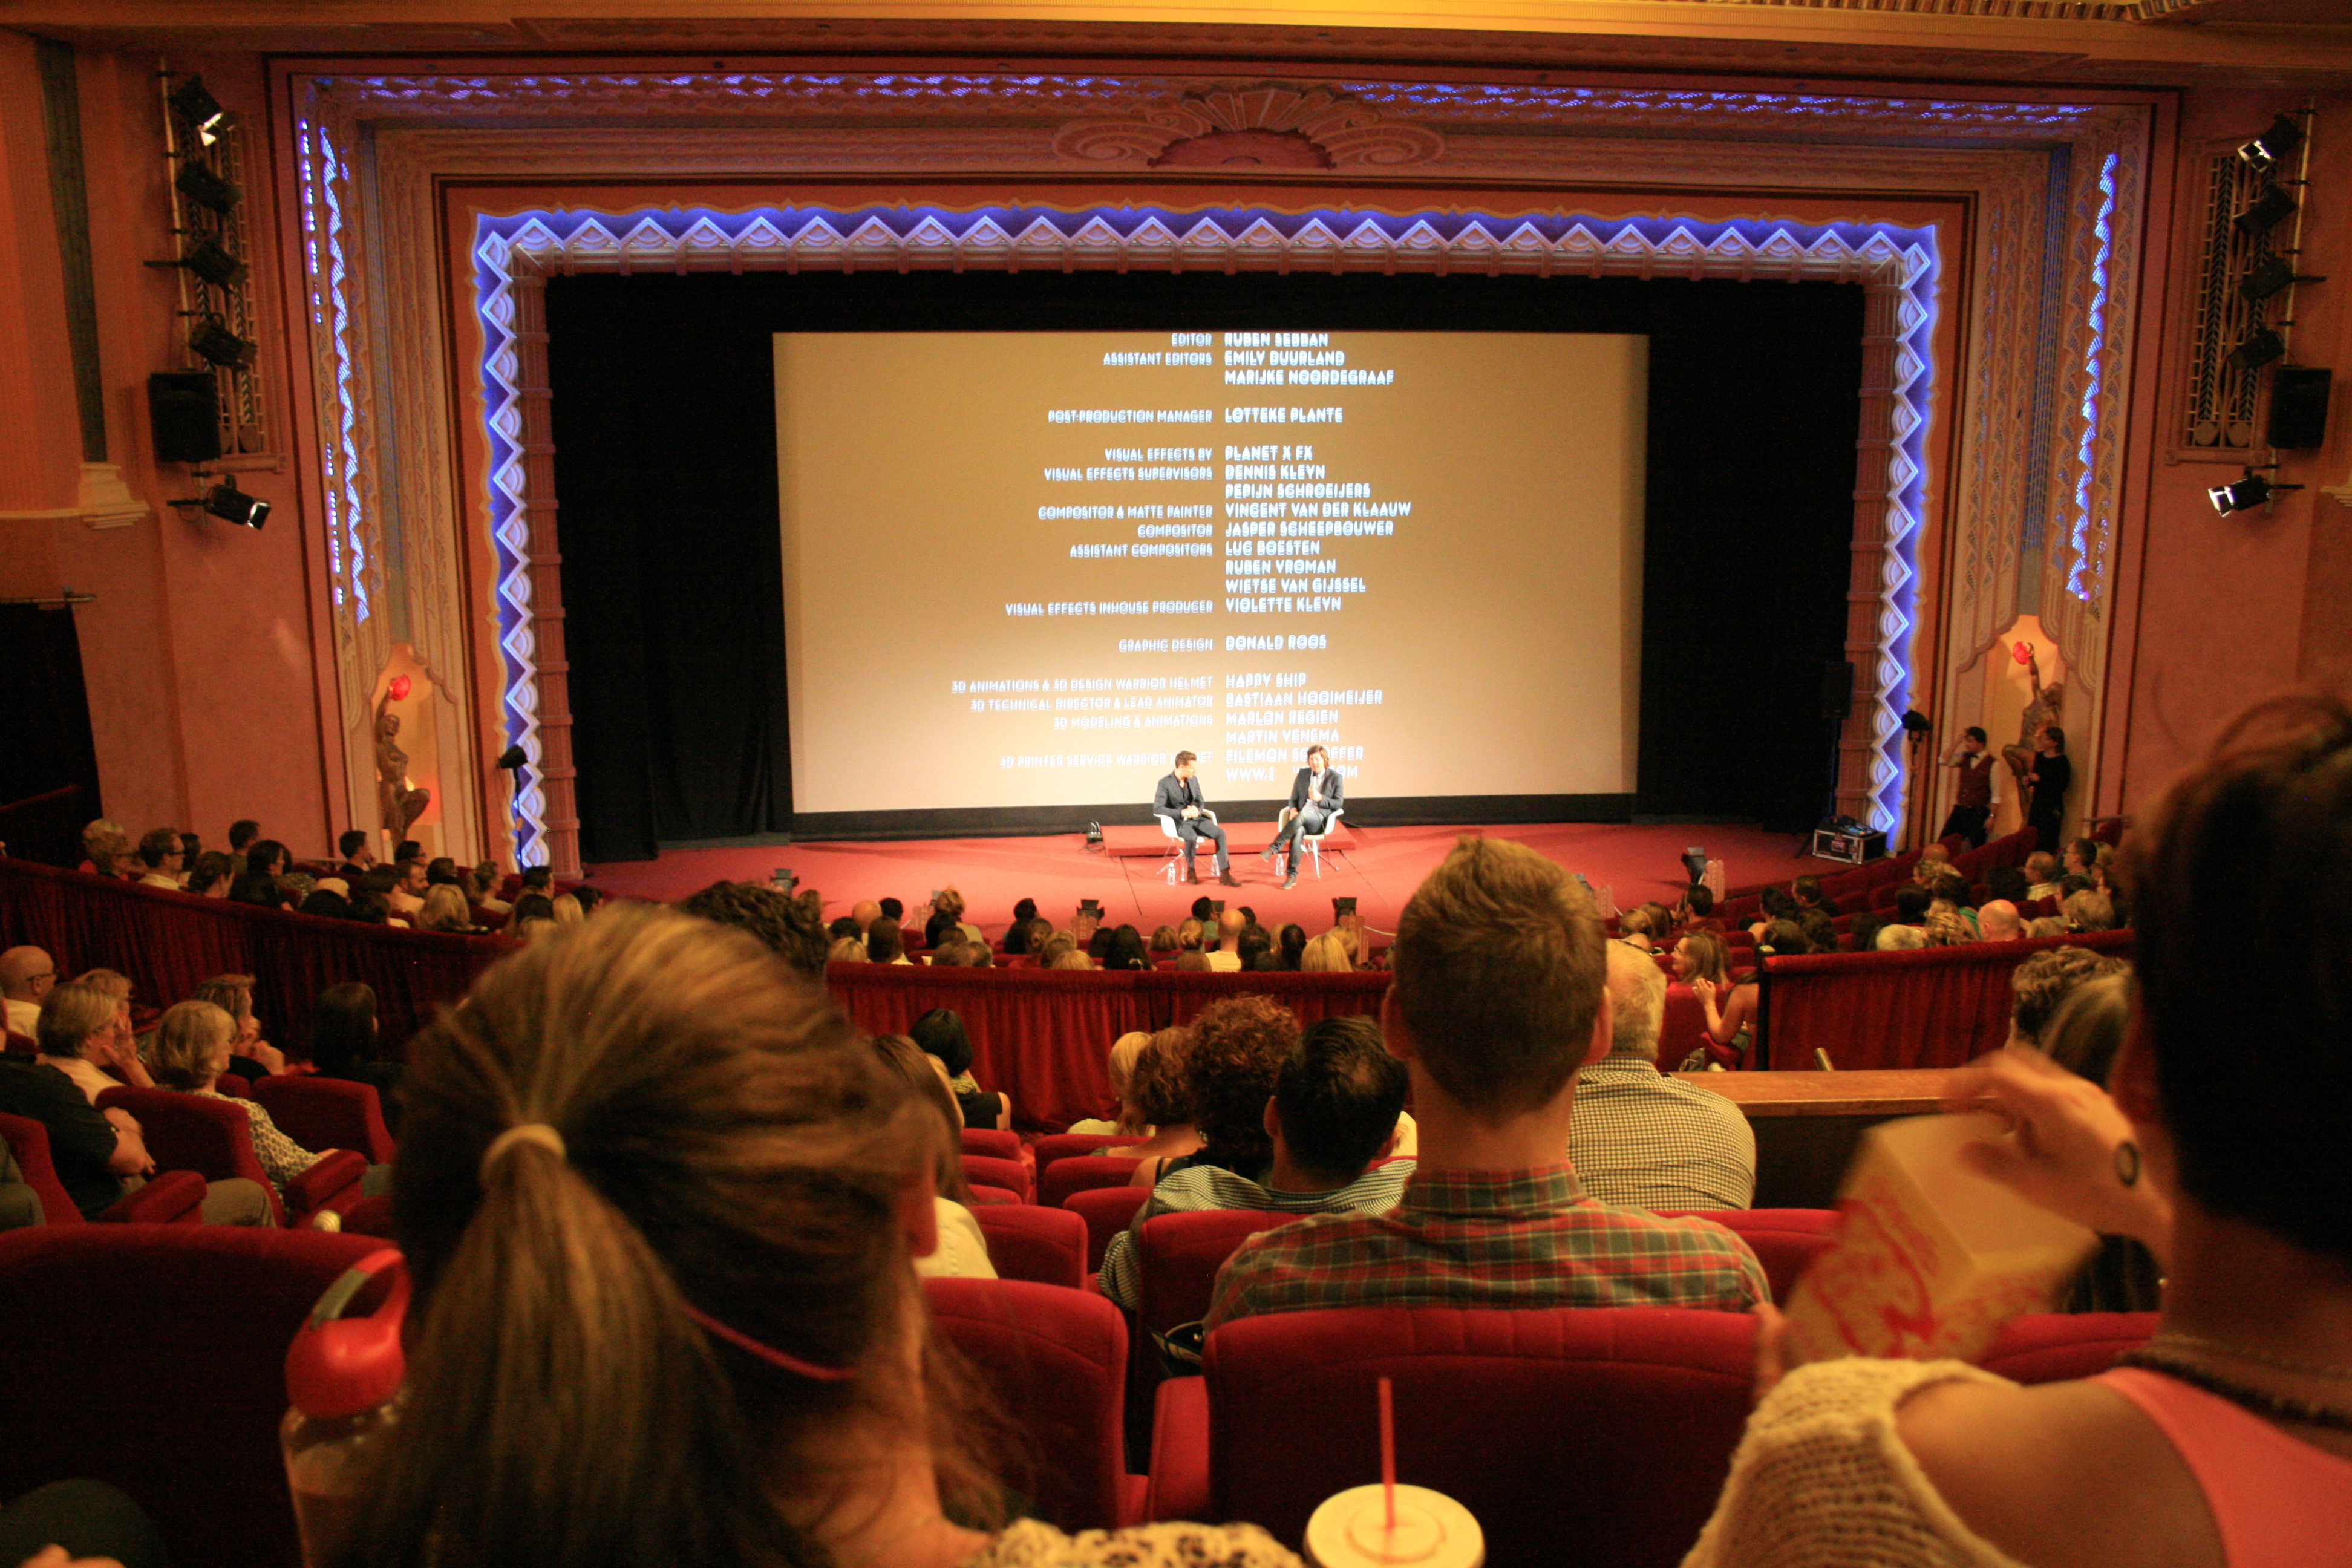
(1316, 796)
(1179, 800)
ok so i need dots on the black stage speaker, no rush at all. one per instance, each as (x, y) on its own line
(2298, 406)
(1837, 688)
(183, 410)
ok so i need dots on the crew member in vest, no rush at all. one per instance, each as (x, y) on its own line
(1972, 807)
(1316, 796)
(1178, 801)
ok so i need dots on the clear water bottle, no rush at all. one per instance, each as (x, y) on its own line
(343, 1381)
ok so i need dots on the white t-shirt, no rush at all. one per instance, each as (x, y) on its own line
(22, 1014)
(963, 1250)
(1225, 962)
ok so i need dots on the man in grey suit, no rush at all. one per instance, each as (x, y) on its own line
(1315, 795)
(1179, 800)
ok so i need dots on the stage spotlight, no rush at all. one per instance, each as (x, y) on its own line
(206, 189)
(213, 262)
(2269, 276)
(229, 504)
(2245, 494)
(2257, 349)
(212, 339)
(2271, 208)
(2272, 146)
(200, 109)
(1695, 864)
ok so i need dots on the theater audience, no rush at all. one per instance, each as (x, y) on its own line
(1327, 954)
(1333, 1112)
(102, 843)
(2009, 882)
(1911, 904)
(100, 1154)
(1727, 1006)
(1774, 905)
(2042, 875)
(343, 1034)
(328, 903)
(1635, 930)
(2224, 1439)
(2088, 910)
(1820, 931)
(160, 859)
(566, 909)
(1192, 961)
(444, 909)
(1947, 928)
(1157, 1087)
(884, 944)
(1225, 957)
(946, 917)
(1861, 933)
(940, 1033)
(789, 927)
(1901, 939)
(1126, 950)
(964, 1248)
(2083, 1036)
(1017, 935)
(1290, 946)
(2042, 982)
(1075, 958)
(211, 874)
(1807, 892)
(27, 975)
(1499, 996)
(243, 834)
(192, 1050)
(1189, 934)
(1126, 1122)
(1640, 1139)
(763, 1390)
(359, 854)
(1697, 911)
(266, 860)
(845, 950)
(252, 1057)
(407, 893)
(1998, 922)
(1255, 945)
(481, 886)
(1163, 942)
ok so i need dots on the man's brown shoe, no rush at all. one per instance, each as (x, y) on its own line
(1228, 878)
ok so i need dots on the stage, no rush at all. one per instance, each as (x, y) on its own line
(1378, 867)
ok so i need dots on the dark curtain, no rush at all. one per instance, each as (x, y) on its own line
(665, 461)
(665, 435)
(48, 766)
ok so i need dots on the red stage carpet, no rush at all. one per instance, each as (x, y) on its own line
(1379, 866)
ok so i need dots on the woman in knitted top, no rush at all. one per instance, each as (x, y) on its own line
(2228, 1438)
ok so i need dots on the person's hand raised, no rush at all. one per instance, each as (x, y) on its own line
(2069, 1149)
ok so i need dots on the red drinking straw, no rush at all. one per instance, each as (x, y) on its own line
(1388, 1452)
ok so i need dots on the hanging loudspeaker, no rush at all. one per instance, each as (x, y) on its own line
(1837, 688)
(2298, 406)
(183, 409)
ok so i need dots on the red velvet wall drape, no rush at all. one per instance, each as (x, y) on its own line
(1936, 1007)
(169, 942)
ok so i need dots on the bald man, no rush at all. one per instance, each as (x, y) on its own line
(1999, 922)
(25, 976)
(1228, 956)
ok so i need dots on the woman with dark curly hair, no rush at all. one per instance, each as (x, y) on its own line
(1238, 1046)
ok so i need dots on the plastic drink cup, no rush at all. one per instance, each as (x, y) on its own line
(1350, 1530)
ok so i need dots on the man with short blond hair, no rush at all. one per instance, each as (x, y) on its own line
(1499, 996)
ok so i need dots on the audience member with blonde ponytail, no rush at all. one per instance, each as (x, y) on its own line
(660, 1206)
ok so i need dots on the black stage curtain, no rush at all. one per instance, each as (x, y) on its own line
(665, 463)
(48, 765)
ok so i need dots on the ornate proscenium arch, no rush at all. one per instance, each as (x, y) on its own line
(514, 254)
(2008, 228)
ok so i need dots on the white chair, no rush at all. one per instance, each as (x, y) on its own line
(1174, 867)
(1313, 841)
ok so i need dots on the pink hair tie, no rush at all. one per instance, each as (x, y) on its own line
(769, 1353)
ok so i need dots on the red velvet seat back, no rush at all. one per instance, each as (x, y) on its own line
(1068, 1145)
(188, 1132)
(30, 1140)
(1105, 1211)
(1075, 1173)
(172, 1197)
(328, 1113)
(2051, 1347)
(1575, 1435)
(992, 1142)
(1057, 1360)
(1179, 1256)
(981, 1170)
(1784, 1240)
(1046, 1245)
(181, 1407)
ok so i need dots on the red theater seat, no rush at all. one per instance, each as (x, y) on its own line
(328, 1113)
(188, 1132)
(1069, 1145)
(172, 1197)
(1178, 1257)
(983, 1193)
(1076, 1174)
(1575, 1435)
(181, 1407)
(1025, 1242)
(1784, 1240)
(1010, 1175)
(2051, 1347)
(1105, 1211)
(1057, 1360)
(992, 1142)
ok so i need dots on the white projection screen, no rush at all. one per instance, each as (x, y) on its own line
(1025, 569)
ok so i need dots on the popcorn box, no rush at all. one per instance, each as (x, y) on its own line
(1928, 1258)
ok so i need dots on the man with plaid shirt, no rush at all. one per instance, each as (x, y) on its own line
(1499, 996)
(1642, 1139)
